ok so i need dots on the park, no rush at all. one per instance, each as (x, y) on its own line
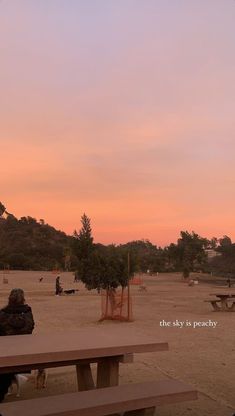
(199, 355)
(117, 231)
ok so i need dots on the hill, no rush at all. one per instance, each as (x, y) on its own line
(29, 244)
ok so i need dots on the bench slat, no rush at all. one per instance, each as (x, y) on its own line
(219, 300)
(106, 401)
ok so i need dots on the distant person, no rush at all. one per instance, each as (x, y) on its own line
(229, 282)
(15, 319)
(76, 277)
(58, 287)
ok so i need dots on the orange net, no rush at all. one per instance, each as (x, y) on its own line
(136, 281)
(116, 304)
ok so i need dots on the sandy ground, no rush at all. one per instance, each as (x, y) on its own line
(201, 356)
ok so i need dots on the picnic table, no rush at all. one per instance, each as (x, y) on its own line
(226, 301)
(81, 348)
(22, 353)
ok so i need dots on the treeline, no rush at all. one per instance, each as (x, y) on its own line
(28, 244)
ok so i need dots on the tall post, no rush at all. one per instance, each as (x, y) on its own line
(128, 286)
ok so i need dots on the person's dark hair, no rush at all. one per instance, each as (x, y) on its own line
(16, 297)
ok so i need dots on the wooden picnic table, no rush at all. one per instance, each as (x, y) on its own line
(22, 353)
(224, 299)
(81, 348)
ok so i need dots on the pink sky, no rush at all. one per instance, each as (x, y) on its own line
(122, 110)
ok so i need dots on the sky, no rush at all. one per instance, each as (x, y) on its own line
(122, 109)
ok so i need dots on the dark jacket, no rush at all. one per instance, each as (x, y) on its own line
(16, 320)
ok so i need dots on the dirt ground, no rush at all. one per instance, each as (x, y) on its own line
(201, 356)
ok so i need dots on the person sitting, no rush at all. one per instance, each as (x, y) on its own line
(15, 319)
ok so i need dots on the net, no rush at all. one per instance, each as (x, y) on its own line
(116, 304)
(136, 281)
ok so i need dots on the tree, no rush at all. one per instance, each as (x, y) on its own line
(191, 251)
(2, 209)
(84, 238)
(28, 244)
(100, 267)
(172, 256)
(224, 263)
(213, 243)
(225, 242)
(146, 256)
(107, 268)
(83, 246)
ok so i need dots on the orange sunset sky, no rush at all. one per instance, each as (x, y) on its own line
(123, 110)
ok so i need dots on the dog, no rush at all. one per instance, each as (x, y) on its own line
(18, 381)
(142, 288)
(41, 378)
(70, 291)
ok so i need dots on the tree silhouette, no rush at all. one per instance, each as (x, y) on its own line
(85, 239)
(191, 251)
(2, 209)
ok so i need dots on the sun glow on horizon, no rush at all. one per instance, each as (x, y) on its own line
(134, 127)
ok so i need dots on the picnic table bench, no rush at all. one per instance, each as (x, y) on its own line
(21, 353)
(224, 302)
(134, 399)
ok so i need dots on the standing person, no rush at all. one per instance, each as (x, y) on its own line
(15, 319)
(76, 277)
(58, 287)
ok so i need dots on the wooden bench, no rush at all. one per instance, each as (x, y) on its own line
(232, 307)
(134, 399)
(215, 302)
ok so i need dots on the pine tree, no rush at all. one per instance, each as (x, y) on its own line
(84, 238)
(83, 245)
(100, 267)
